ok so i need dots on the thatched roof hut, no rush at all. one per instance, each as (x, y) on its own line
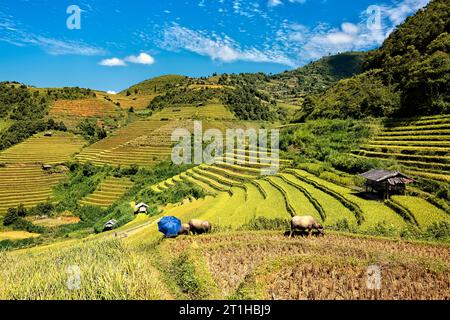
(386, 182)
(141, 208)
(109, 225)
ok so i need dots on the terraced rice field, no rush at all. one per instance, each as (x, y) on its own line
(82, 107)
(266, 265)
(27, 184)
(422, 211)
(143, 143)
(44, 150)
(137, 102)
(333, 209)
(109, 191)
(17, 235)
(221, 176)
(236, 265)
(242, 194)
(421, 146)
(211, 111)
(368, 213)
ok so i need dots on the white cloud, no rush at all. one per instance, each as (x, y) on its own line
(16, 35)
(287, 42)
(338, 38)
(398, 13)
(60, 47)
(274, 3)
(222, 49)
(305, 44)
(349, 28)
(142, 58)
(111, 92)
(113, 62)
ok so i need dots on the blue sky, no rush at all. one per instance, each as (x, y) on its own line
(120, 43)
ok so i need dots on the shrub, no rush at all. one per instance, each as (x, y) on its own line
(382, 229)
(88, 169)
(19, 244)
(90, 214)
(343, 225)
(25, 225)
(353, 165)
(42, 209)
(183, 269)
(263, 223)
(439, 230)
(11, 217)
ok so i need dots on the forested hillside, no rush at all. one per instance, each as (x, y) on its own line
(250, 96)
(407, 76)
(23, 109)
(291, 86)
(156, 85)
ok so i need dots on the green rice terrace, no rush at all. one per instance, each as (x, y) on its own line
(109, 191)
(25, 184)
(421, 146)
(351, 183)
(81, 187)
(237, 192)
(40, 149)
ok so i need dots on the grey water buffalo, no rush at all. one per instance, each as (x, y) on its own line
(185, 229)
(200, 226)
(305, 225)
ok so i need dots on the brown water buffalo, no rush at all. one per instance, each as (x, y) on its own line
(199, 226)
(185, 229)
(305, 225)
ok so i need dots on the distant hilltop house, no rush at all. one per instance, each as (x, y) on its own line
(109, 225)
(141, 208)
(48, 134)
(385, 182)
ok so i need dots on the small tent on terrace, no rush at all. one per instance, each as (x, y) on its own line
(385, 182)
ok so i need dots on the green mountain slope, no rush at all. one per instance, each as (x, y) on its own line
(316, 76)
(156, 85)
(250, 96)
(23, 110)
(407, 76)
(312, 78)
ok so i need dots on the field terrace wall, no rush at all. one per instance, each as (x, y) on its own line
(420, 145)
(109, 191)
(23, 179)
(143, 143)
(209, 112)
(266, 265)
(39, 149)
(26, 184)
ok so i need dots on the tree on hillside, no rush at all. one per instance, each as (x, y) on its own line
(11, 217)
